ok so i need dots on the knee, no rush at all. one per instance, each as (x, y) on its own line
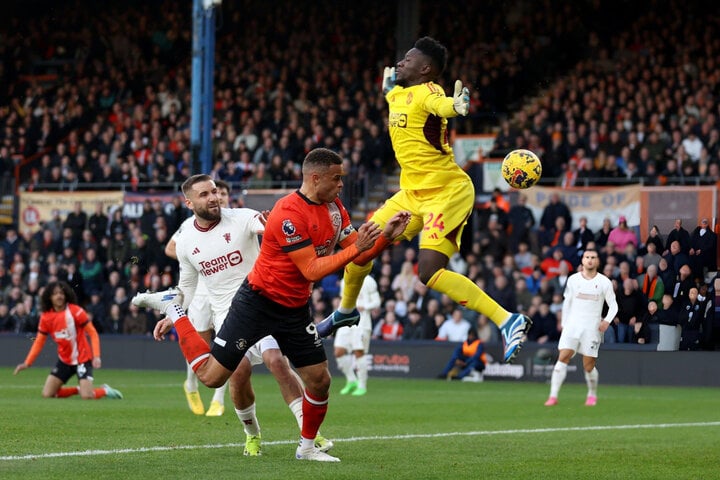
(425, 273)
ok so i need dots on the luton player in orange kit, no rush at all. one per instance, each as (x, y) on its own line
(298, 248)
(68, 324)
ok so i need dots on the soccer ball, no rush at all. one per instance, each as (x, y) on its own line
(521, 169)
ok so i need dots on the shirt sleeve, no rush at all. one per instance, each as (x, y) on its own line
(437, 103)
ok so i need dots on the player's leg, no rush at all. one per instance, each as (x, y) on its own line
(196, 351)
(361, 346)
(589, 344)
(200, 315)
(54, 385)
(299, 340)
(342, 345)
(445, 213)
(243, 398)
(591, 379)
(559, 372)
(347, 314)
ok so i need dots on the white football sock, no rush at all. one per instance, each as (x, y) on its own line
(219, 395)
(296, 408)
(345, 364)
(191, 382)
(361, 366)
(249, 420)
(558, 377)
(591, 378)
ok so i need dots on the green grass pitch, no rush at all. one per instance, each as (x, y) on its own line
(402, 429)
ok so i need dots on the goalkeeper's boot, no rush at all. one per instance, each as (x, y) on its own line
(194, 401)
(252, 446)
(159, 300)
(323, 444)
(112, 393)
(513, 332)
(336, 320)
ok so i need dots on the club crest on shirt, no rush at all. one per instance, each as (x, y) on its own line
(336, 219)
(226, 236)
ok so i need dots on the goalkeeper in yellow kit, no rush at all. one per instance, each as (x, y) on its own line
(437, 192)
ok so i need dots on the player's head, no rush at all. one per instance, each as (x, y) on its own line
(322, 172)
(201, 196)
(590, 259)
(223, 193)
(56, 296)
(423, 63)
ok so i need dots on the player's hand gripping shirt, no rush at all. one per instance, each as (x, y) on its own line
(222, 255)
(294, 223)
(418, 130)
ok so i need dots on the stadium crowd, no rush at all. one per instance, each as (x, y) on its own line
(86, 103)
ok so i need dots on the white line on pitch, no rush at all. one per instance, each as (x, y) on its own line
(360, 439)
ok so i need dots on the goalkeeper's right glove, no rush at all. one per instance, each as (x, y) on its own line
(388, 79)
(461, 99)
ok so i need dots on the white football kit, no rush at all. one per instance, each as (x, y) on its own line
(358, 336)
(222, 255)
(199, 311)
(217, 260)
(582, 312)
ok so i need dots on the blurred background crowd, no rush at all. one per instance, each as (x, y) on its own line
(96, 96)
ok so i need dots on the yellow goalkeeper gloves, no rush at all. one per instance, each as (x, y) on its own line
(388, 79)
(461, 99)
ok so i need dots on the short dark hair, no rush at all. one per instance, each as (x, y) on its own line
(320, 159)
(46, 298)
(191, 181)
(222, 184)
(434, 50)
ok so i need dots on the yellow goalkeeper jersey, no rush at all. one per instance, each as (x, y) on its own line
(418, 131)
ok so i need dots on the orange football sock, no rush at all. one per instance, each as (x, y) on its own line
(194, 348)
(314, 410)
(67, 392)
(465, 292)
(99, 392)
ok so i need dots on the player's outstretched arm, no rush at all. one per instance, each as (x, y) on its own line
(162, 328)
(393, 229)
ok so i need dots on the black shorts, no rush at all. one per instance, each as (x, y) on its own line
(253, 316)
(63, 371)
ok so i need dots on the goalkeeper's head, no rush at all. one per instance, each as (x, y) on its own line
(436, 52)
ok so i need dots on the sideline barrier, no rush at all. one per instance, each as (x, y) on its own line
(618, 364)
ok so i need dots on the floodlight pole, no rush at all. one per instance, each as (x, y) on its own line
(203, 67)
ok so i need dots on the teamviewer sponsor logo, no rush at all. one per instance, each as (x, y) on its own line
(221, 263)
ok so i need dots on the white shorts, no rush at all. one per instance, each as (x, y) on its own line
(200, 313)
(585, 342)
(353, 338)
(255, 353)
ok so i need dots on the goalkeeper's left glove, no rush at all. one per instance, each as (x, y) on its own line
(461, 99)
(388, 79)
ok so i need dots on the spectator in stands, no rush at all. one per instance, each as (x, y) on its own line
(388, 328)
(631, 306)
(455, 328)
(676, 258)
(651, 256)
(703, 250)
(622, 235)
(690, 319)
(679, 234)
(522, 222)
(651, 285)
(602, 235)
(583, 235)
(554, 209)
(646, 325)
